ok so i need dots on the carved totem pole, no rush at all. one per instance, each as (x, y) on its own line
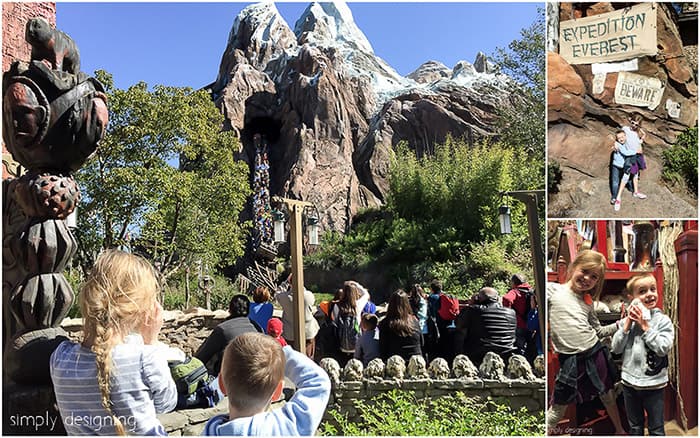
(53, 117)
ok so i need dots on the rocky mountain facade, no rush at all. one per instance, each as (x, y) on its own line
(331, 111)
(582, 123)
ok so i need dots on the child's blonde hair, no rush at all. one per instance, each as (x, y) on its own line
(629, 287)
(251, 368)
(116, 298)
(589, 260)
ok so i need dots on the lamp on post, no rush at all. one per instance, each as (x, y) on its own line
(504, 219)
(278, 222)
(296, 209)
(529, 198)
(312, 227)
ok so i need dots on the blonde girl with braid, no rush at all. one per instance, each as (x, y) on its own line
(117, 379)
(586, 369)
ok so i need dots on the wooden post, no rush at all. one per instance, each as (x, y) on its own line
(296, 208)
(529, 198)
(298, 278)
(687, 254)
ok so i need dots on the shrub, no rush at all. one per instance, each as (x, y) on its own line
(401, 413)
(553, 176)
(221, 293)
(681, 161)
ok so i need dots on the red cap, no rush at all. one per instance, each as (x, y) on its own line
(274, 327)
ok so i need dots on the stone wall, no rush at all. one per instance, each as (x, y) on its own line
(184, 330)
(515, 384)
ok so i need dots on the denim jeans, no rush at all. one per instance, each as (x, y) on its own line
(615, 178)
(639, 401)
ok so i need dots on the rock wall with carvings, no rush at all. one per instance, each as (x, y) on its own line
(586, 107)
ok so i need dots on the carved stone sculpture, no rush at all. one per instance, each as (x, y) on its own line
(395, 367)
(439, 369)
(417, 369)
(53, 118)
(332, 368)
(375, 369)
(492, 367)
(353, 370)
(519, 368)
(463, 368)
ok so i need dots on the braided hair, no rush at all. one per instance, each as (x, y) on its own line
(116, 298)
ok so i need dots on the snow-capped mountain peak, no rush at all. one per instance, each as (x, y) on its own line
(330, 25)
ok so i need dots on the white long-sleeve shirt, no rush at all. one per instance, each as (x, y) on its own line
(573, 324)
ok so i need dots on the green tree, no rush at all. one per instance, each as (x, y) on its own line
(164, 180)
(522, 125)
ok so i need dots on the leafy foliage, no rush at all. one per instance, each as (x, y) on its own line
(522, 126)
(164, 181)
(440, 221)
(681, 161)
(220, 296)
(401, 413)
(554, 176)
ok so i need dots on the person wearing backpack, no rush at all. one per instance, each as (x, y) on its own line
(346, 316)
(444, 309)
(399, 331)
(519, 299)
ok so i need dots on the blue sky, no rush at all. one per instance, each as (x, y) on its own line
(181, 44)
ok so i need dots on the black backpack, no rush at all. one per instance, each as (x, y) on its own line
(528, 293)
(346, 331)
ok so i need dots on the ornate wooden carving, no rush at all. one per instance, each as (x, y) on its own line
(53, 118)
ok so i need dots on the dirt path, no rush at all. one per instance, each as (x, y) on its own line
(583, 196)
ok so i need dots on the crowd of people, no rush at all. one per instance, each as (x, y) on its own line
(262, 221)
(429, 325)
(251, 352)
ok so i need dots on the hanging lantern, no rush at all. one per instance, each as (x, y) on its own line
(504, 219)
(278, 222)
(312, 228)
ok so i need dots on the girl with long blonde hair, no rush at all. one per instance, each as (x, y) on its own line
(586, 370)
(117, 379)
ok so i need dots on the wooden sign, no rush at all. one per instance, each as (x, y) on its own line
(613, 36)
(638, 90)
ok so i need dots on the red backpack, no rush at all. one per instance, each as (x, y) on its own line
(449, 307)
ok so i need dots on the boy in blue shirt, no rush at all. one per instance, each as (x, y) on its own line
(367, 346)
(252, 375)
(644, 338)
